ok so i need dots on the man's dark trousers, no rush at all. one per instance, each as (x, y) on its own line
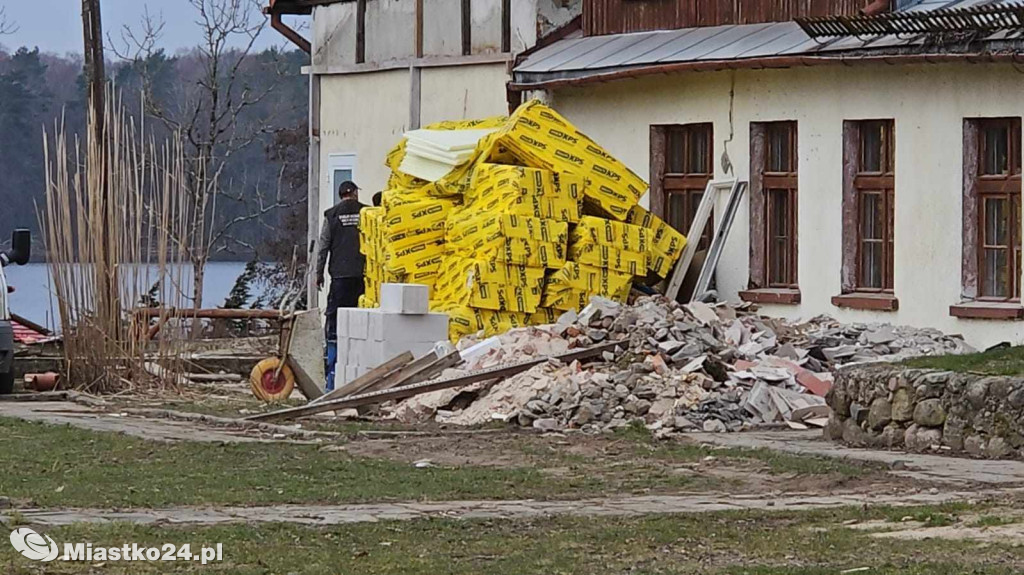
(344, 292)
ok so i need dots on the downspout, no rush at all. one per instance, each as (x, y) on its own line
(288, 32)
(313, 166)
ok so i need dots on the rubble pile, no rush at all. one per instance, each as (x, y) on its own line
(680, 367)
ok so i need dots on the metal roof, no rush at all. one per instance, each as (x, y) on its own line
(579, 57)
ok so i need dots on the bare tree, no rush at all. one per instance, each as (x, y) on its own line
(6, 26)
(213, 121)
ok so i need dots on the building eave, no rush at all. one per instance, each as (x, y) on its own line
(549, 81)
(297, 7)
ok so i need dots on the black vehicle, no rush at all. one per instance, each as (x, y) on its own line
(21, 250)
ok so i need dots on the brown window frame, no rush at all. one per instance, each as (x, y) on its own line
(686, 181)
(978, 187)
(785, 183)
(858, 182)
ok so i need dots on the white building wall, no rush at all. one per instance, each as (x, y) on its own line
(928, 104)
(387, 26)
(334, 35)
(365, 114)
(463, 92)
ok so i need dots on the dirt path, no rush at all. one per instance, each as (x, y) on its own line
(951, 470)
(523, 509)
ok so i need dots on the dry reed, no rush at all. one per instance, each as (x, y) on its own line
(114, 206)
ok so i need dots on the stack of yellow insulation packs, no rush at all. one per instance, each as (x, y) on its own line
(413, 236)
(538, 220)
(513, 228)
(406, 243)
(605, 257)
(486, 294)
(371, 246)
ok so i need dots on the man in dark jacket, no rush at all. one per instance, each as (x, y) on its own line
(339, 242)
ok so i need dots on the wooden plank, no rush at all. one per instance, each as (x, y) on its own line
(416, 373)
(851, 161)
(405, 391)
(659, 145)
(971, 232)
(360, 31)
(313, 192)
(506, 26)
(415, 96)
(758, 276)
(399, 373)
(218, 313)
(467, 27)
(602, 17)
(360, 383)
(418, 33)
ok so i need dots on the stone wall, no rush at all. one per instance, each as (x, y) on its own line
(922, 410)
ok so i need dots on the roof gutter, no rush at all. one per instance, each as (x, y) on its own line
(774, 62)
(285, 30)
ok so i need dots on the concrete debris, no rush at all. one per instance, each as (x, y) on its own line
(694, 367)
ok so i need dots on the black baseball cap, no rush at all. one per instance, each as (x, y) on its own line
(347, 187)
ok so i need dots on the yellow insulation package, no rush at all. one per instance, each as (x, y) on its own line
(541, 138)
(666, 242)
(464, 320)
(626, 237)
(533, 192)
(489, 285)
(576, 283)
(372, 248)
(610, 258)
(510, 238)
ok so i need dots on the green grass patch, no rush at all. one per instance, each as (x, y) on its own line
(1006, 361)
(994, 521)
(67, 466)
(714, 543)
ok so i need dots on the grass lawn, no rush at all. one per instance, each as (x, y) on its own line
(804, 543)
(1007, 361)
(61, 466)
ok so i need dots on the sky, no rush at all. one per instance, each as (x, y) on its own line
(56, 25)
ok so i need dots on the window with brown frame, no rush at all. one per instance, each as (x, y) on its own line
(874, 184)
(998, 190)
(688, 169)
(779, 185)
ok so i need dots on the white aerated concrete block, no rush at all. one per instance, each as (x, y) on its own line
(351, 373)
(405, 298)
(358, 323)
(342, 353)
(390, 327)
(342, 323)
(390, 349)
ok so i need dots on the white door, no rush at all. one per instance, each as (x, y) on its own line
(340, 168)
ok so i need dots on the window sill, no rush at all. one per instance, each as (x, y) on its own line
(777, 296)
(988, 310)
(867, 301)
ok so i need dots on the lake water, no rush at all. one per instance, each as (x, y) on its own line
(31, 298)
